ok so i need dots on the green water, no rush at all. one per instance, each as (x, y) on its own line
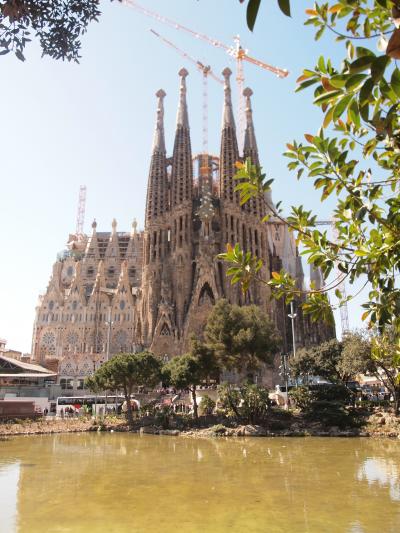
(130, 483)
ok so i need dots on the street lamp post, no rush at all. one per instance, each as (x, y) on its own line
(292, 315)
(109, 326)
(110, 294)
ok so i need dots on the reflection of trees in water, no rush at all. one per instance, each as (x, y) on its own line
(328, 484)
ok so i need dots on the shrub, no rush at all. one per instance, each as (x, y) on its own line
(301, 397)
(255, 403)
(218, 429)
(207, 405)
(330, 414)
(331, 393)
(164, 416)
(250, 403)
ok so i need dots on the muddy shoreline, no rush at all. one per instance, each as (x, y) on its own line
(379, 424)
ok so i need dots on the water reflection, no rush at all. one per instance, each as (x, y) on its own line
(119, 482)
(9, 478)
(385, 472)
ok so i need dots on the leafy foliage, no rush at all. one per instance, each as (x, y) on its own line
(254, 5)
(355, 156)
(207, 405)
(335, 361)
(249, 403)
(385, 355)
(301, 397)
(124, 372)
(324, 403)
(189, 370)
(58, 25)
(241, 337)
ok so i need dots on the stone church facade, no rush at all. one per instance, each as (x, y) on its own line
(124, 291)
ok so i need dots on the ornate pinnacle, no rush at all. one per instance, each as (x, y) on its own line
(247, 93)
(159, 141)
(182, 117)
(227, 117)
(250, 143)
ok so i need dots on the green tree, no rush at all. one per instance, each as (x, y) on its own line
(186, 372)
(355, 156)
(385, 355)
(190, 370)
(124, 372)
(241, 337)
(333, 360)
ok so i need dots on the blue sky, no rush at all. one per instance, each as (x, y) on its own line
(65, 124)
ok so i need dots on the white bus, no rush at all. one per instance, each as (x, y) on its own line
(69, 406)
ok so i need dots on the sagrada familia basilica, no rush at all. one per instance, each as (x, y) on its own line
(118, 291)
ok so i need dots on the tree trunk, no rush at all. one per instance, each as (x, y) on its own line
(396, 398)
(194, 400)
(129, 414)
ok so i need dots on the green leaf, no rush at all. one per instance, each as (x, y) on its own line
(284, 6)
(395, 81)
(378, 67)
(360, 64)
(365, 92)
(354, 81)
(361, 51)
(341, 106)
(354, 114)
(324, 97)
(252, 12)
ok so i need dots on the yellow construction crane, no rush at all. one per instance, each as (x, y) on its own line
(236, 51)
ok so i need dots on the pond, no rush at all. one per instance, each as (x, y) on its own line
(130, 483)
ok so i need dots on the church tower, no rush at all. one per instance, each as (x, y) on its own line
(240, 224)
(155, 233)
(181, 209)
(117, 291)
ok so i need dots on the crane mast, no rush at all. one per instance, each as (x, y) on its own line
(236, 51)
(80, 216)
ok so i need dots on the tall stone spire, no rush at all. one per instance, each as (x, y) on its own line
(229, 147)
(182, 167)
(250, 150)
(250, 144)
(157, 187)
(182, 118)
(92, 247)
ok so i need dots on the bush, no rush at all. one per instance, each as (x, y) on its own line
(250, 403)
(228, 401)
(163, 416)
(218, 429)
(255, 403)
(331, 393)
(301, 397)
(207, 405)
(330, 414)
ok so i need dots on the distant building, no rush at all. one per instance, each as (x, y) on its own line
(14, 373)
(14, 354)
(159, 285)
